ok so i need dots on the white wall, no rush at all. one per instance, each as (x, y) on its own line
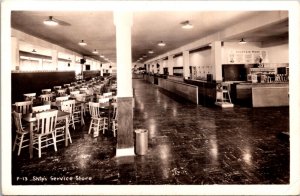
(178, 61)
(21, 37)
(278, 54)
(200, 58)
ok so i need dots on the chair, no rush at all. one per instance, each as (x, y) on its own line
(56, 87)
(60, 130)
(46, 98)
(97, 89)
(23, 107)
(61, 92)
(46, 91)
(89, 91)
(22, 134)
(114, 120)
(97, 121)
(69, 106)
(114, 99)
(71, 88)
(223, 94)
(45, 126)
(29, 96)
(77, 113)
(41, 108)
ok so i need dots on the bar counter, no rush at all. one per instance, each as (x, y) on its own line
(206, 91)
(187, 91)
(262, 94)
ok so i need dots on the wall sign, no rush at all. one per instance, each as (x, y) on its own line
(246, 56)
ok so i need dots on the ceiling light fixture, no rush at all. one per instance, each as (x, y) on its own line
(95, 51)
(161, 43)
(82, 43)
(34, 50)
(242, 41)
(145, 56)
(50, 21)
(102, 56)
(186, 25)
(150, 51)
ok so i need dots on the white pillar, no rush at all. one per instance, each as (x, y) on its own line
(73, 62)
(161, 69)
(170, 64)
(15, 54)
(101, 69)
(216, 61)
(186, 64)
(125, 143)
(123, 23)
(55, 59)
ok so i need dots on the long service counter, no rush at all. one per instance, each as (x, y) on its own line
(242, 93)
(187, 91)
(262, 94)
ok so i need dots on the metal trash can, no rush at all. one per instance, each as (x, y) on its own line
(141, 141)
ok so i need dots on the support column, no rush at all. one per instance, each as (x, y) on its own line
(15, 54)
(216, 61)
(55, 59)
(186, 64)
(161, 69)
(170, 64)
(73, 62)
(125, 143)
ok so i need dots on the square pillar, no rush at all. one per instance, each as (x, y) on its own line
(15, 54)
(186, 64)
(170, 64)
(125, 143)
(54, 59)
(216, 60)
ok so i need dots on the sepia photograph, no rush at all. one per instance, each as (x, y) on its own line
(150, 98)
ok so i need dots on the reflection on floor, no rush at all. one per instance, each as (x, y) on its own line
(188, 144)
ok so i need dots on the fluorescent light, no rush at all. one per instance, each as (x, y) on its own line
(50, 22)
(95, 51)
(161, 43)
(145, 56)
(187, 25)
(102, 56)
(82, 43)
(151, 51)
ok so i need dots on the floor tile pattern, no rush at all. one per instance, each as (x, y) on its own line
(188, 144)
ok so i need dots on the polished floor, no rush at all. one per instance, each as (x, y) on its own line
(188, 144)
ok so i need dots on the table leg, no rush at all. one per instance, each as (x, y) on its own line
(31, 139)
(67, 131)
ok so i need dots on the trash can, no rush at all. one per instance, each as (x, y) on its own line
(141, 141)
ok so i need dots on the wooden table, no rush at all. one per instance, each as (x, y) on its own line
(31, 118)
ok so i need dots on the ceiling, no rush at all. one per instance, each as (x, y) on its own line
(98, 30)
